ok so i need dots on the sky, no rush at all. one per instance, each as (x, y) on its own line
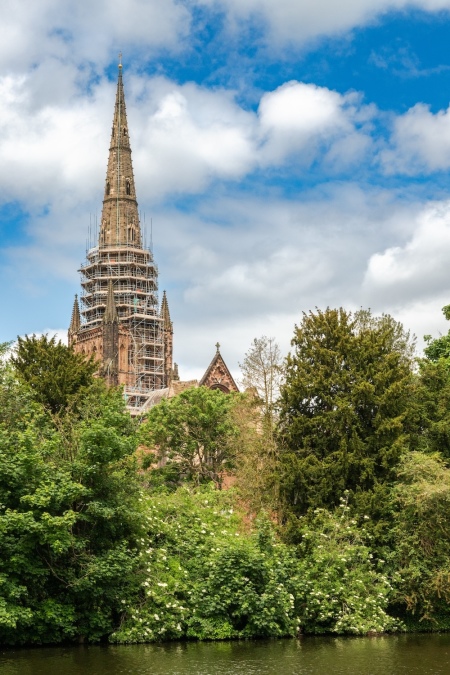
(287, 155)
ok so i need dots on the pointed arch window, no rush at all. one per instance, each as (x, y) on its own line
(128, 187)
(124, 131)
(130, 234)
(108, 188)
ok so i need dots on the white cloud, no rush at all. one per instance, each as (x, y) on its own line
(300, 21)
(184, 136)
(420, 142)
(300, 118)
(78, 31)
(416, 270)
(269, 261)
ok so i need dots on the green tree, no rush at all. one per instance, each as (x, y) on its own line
(344, 410)
(432, 407)
(421, 529)
(256, 463)
(439, 348)
(53, 371)
(69, 520)
(194, 433)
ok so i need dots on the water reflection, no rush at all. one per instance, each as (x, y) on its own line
(384, 655)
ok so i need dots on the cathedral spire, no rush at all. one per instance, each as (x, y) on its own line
(120, 216)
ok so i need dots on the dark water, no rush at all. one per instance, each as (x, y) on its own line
(387, 655)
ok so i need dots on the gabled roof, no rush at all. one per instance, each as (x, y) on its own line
(217, 375)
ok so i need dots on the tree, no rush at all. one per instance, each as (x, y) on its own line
(53, 371)
(256, 463)
(194, 433)
(262, 370)
(344, 410)
(439, 348)
(432, 402)
(70, 521)
(421, 532)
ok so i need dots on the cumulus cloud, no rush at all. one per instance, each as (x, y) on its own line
(184, 136)
(420, 142)
(73, 31)
(416, 270)
(300, 21)
(299, 118)
(270, 260)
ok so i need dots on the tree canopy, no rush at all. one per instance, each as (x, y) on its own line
(53, 371)
(344, 409)
(194, 433)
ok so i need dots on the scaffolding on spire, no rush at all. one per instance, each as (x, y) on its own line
(120, 265)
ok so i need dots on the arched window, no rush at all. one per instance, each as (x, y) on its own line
(128, 187)
(130, 234)
(108, 188)
(124, 131)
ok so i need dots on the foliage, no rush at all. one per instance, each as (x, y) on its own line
(439, 348)
(207, 578)
(344, 410)
(256, 463)
(262, 371)
(422, 539)
(69, 520)
(340, 588)
(53, 371)
(194, 432)
(257, 459)
(432, 408)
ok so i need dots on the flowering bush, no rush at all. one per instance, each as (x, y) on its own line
(339, 587)
(204, 577)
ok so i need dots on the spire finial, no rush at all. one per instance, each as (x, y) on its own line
(218, 347)
(120, 60)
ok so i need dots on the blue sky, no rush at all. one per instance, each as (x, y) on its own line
(289, 155)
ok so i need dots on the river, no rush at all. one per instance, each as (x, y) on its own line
(384, 655)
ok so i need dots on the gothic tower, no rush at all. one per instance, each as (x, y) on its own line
(119, 320)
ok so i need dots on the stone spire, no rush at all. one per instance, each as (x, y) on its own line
(120, 216)
(165, 314)
(110, 315)
(111, 340)
(75, 321)
(168, 339)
